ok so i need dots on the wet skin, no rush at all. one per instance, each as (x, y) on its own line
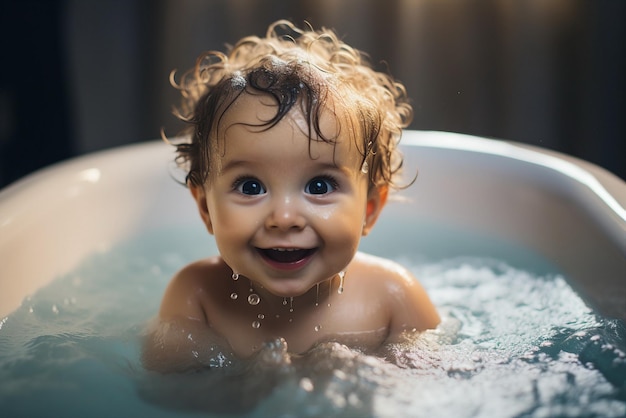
(288, 214)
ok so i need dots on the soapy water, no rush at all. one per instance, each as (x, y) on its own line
(513, 343)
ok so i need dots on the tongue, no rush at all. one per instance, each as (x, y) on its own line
(286, 256)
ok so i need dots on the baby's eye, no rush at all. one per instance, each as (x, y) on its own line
(249, 187)
(321, 185)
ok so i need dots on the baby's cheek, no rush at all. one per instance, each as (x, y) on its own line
(231, 218)
(344, 231)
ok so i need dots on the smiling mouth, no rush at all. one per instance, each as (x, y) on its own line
(286, 255)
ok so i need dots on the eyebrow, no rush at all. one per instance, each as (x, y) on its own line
(234, 164)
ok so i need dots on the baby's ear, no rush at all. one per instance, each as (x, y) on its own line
(376, 200)
(199, 196)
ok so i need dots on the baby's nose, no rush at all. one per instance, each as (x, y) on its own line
(286, 214)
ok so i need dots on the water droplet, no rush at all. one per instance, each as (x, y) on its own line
(342, 274)
(254, 299)
(235, 276)
(256, 324)
(365, 167)
(317, 295)
(233, 296)
(261, 316)
(290, 304)
(317, 328)
(284, 301)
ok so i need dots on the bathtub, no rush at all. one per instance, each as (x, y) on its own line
(568, 211)
(75, 343)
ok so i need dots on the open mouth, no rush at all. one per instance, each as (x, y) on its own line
(286, 255)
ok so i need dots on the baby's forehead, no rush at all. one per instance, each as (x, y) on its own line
(255, 111)
(246, 120)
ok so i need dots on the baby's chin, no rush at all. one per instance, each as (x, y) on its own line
(291, 291)
(301, 288)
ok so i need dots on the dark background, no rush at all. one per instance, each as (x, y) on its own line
(84, 75)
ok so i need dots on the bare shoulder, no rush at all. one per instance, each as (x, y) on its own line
(410, 305)
(187, 289)
(200, 269)
(382, 269)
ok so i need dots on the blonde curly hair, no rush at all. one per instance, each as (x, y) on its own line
(296, 67)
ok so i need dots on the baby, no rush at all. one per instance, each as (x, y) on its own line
(293, 151)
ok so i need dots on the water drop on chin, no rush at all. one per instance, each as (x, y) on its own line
(317, 328)
(256, 324)
(235, 276)
(261, 316)
(233, 296)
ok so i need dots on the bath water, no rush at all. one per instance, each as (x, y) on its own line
(515, 341)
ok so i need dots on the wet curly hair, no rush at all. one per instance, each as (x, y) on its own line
(296, 67)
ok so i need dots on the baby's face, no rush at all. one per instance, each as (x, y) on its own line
(287, 212)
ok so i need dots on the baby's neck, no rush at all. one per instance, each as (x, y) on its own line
(318, 295)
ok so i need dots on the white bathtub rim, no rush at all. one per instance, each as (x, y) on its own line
(609, 188)
(605, 185)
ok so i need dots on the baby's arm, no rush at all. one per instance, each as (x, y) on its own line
(182, 298)
(411, 307)
(405, 301)
(181, 334)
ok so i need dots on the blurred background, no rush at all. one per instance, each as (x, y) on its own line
(85, 75)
